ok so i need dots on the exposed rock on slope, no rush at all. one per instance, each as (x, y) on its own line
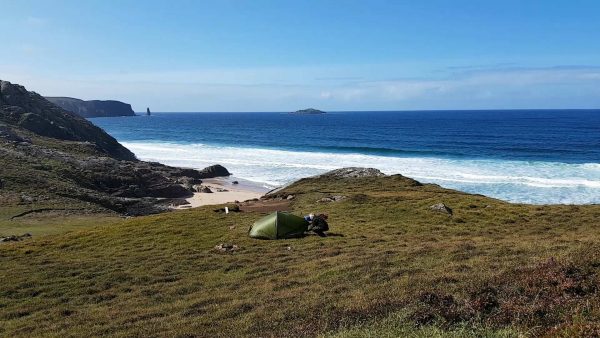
(339, 174)
(93, 108)
(45, 172)
(353, 172)
(29, 110)
(441, 207)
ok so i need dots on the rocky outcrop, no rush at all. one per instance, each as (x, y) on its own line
(30, 111)
(343, 173)
(205, 190)
(78, 173)
(93, 108)
(441, 207)
(15, 238)
(329, 199)
(54, 157)
(216, 170)
(352, 172)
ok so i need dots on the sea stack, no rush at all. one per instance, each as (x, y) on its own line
(148, 111)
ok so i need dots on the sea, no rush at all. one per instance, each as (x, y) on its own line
(524, 156)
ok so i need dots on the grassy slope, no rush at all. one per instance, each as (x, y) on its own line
(33, 176)
(484, 271)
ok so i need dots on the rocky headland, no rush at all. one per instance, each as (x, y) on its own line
(93, 108)
(51, 158)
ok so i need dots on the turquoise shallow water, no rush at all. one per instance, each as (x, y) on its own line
(521, 156)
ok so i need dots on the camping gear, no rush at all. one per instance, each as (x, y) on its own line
(278, 225)
(319, 224)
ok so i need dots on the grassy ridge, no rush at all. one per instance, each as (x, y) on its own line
(392, 267)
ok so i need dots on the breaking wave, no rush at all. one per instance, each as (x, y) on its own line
(516, 181)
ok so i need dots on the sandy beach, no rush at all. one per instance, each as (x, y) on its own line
(224, 191)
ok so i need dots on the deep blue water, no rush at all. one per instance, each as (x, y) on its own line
(544, 156)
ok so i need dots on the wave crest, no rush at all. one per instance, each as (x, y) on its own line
(515, 181)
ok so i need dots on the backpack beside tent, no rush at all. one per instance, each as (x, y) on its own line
(278, 225)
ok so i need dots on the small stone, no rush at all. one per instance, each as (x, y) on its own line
(226, 247)
(27, 199)
(14, 238)
(290, 197)
(330, 199)
(205, 190)
(235, 182)
(441, 207)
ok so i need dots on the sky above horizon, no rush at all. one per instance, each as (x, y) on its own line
(285, 55)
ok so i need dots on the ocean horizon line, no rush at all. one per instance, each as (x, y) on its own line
(371, 111)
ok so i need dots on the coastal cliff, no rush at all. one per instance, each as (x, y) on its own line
(93, 108)
(32, 112)
(51, 157)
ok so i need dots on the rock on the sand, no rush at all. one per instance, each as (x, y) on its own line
(216, 170)
(205, 190)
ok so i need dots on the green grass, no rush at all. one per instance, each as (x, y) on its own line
(50, 222)
(392, 268)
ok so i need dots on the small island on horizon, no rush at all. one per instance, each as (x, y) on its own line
(308, 111)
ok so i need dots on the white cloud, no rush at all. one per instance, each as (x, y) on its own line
(282, 89)
(34, 21)
(29, 49)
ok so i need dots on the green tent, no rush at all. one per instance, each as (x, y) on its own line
(279, 225)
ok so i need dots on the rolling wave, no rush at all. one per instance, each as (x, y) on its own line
(388, 151)
(515, 181)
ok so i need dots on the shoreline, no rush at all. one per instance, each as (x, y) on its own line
(224, 191)
(512, 181)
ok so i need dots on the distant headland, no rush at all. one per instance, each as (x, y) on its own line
(93, 108)
(308, 111)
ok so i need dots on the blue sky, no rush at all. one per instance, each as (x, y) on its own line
(286, 55)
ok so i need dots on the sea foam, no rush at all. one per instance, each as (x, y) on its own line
(516, 181)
